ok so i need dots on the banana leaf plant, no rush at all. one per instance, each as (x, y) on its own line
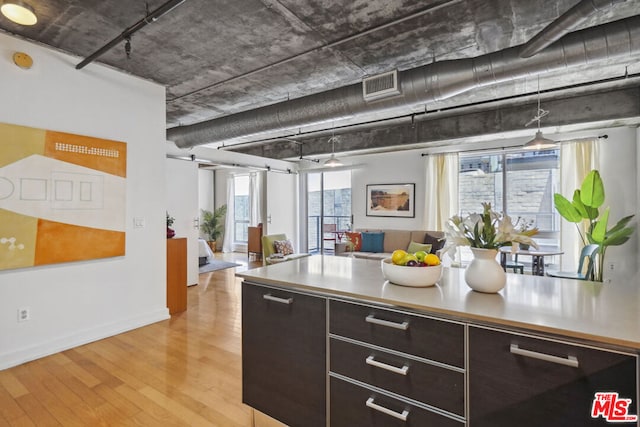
(586, 205)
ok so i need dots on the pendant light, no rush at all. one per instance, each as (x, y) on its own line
(19, 12)
(333, 161)
(539, 142)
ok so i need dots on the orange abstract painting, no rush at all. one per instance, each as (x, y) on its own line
(62, 197)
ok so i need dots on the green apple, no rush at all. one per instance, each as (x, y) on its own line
(420, 255)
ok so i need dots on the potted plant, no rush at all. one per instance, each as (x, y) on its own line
(585, 206)
(170, 231)
(485, 233)
(213, 225)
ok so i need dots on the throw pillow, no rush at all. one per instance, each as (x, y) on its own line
(373, 242)
(283, 247)
(356, 239)
(436, 243)
(415, 247)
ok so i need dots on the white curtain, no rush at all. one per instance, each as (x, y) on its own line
(441, 198)
(577, 159)
(256, 198)
(227, 243)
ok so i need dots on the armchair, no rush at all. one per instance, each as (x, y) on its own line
(269, 249)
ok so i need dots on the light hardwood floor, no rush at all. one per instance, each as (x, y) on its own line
(185, 371)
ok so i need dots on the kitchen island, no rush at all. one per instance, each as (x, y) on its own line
(537, 352)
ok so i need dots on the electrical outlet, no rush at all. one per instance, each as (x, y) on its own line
(611, 265)
(24, 314)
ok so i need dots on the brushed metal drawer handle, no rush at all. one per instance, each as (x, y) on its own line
(270, 297)
(372, 319)
(373, 362)
(403, 416)
(571, 361)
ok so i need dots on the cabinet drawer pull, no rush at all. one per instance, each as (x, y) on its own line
(394, 414)
(372, 319)
(571, 361)
(276, 299)
(373, 362)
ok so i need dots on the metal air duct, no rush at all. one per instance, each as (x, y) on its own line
(422, 85)
(565, 24)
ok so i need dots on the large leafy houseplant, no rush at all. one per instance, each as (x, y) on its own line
(585, 205)
(213, 224)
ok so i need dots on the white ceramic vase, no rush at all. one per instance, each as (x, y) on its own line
(485, 274)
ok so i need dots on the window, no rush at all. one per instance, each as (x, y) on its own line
(241, 209)
(328, 202)
(520, 183)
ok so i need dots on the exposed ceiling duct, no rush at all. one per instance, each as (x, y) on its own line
(422, 85)
(565, 24)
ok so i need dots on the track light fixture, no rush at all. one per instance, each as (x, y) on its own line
(127, 46)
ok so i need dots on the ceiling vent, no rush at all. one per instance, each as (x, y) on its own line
(380, 86)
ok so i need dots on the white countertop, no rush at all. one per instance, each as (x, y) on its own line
(595, 311)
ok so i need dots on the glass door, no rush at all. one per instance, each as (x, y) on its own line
(328, 209)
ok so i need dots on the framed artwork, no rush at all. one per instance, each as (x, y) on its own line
(396, 200)
(62, 197)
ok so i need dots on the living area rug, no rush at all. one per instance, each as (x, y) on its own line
(214, 265)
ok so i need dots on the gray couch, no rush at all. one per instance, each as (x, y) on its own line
(396, 239)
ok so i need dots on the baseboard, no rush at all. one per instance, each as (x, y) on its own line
(79, 338)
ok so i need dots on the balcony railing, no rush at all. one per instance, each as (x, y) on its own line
(314, 229)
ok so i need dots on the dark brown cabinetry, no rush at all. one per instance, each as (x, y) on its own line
(391, 367)
(353, 405)
(520, 380)
(284, 354)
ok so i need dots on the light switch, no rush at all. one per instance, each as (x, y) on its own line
(138, 222)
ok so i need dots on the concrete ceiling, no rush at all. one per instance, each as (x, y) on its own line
(223, 57)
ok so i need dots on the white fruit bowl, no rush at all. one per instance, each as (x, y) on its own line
(410, 276)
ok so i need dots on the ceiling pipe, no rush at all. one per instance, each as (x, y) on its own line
(566, 23)
(422, 85)
(148, 19)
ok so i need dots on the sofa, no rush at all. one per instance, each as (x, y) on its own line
(375, 246)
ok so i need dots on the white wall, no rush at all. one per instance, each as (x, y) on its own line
(205, 191)
(182, 204)
(404, 167)
(79, 302)
(619, 171)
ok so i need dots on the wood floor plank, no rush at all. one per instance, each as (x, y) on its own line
(11, 384)
(9, 408)
(37, 411)
(185, 371)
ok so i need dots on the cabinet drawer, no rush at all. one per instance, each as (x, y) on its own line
(522, 386)
(433, 385)
(284, 355)
(432, 339)
(349, 408)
